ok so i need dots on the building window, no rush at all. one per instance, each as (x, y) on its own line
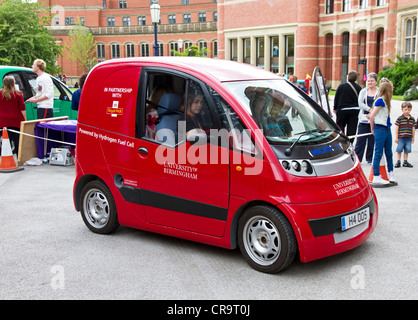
(173, 47)
(187, 18)
(329, 6)
(202, 17)
(381, 3)
(203, 45)
(187, 45)
(247, 50)
(274, 54)
(101, 52)
(346, 5)
(56, 21)
(123, 4)
(345, 56)
(260, 47)
(260, 52)
(142, 21)
(145, 50)
(111, 21)
(104, 4)
(130, 50)
(185, 2)
(215, 16)
(411, 38)
(274, 46)
(115, 51)
(233, 49)
(69, 21)
(126, 21)
(82, 21)
(363, 4)
(290, 54)
(215, 49)
(171, 19)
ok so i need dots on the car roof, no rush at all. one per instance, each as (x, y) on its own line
(11, 68)
(6, 69)
(222, 70)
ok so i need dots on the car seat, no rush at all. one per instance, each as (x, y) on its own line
(169, 115)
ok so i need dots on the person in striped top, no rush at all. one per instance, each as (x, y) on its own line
(404, 134)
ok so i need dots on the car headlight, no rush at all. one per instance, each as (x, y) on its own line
(298, 167)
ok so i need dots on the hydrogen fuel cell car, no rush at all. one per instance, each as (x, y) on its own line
(221, 153)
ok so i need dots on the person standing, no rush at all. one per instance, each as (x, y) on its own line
(75, 101)
(45, 91)
(404, 134)
(380, 126)
(365, 101)
(346, 105)
(12, 110)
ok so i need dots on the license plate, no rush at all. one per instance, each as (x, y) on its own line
(354, 219)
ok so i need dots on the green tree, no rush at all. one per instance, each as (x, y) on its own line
(23, 35)
(401, 73)
(82, 47)
(192, 51)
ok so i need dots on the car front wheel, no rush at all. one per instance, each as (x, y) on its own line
(266, 239)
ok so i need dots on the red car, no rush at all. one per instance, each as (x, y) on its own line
(218, 152)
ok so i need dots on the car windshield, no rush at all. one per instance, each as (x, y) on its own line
(282, 112)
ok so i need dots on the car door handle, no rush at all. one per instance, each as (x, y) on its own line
(143, 151)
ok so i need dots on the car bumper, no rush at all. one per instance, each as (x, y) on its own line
(319, 237)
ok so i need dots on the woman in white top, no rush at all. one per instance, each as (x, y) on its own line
(365, 101)
(380, 125)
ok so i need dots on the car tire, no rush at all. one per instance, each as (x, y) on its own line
(266, 239)
(98, 208)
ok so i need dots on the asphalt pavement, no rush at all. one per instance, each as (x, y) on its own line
(46, 252)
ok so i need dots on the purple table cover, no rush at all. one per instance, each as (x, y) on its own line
(60, 130)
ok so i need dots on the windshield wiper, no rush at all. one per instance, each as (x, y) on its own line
(288, 151)
(341, 134)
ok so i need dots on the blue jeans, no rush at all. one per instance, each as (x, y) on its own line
(362, 142)
(383, 143)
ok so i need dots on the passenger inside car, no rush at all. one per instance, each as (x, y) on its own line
(277, 123)
(194, 108)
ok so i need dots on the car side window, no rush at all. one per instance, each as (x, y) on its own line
(175, 107)
(239, 135)
(60, 93)
(31, 77)
(20, 84)
(163, 101)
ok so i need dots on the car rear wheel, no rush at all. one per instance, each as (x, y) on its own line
(98, 208)
(266, 239)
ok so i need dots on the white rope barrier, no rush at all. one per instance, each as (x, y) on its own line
(37, 137)
(360, 135)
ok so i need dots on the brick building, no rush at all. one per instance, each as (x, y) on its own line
(279, 35)
(337, 35)
(124, 28)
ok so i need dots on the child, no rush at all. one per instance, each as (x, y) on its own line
(404, 134)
